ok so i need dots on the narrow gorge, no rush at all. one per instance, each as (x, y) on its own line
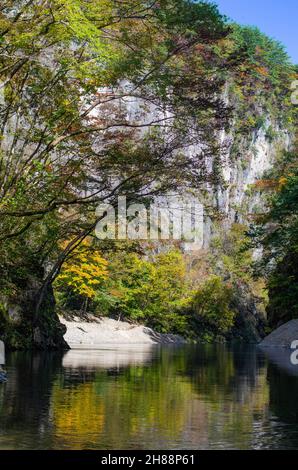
(169, 99)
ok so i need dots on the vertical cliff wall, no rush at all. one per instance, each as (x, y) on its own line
(235, 176)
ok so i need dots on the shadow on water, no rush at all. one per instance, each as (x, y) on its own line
(151, 397)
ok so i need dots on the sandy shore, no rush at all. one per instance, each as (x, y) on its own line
(95, 333)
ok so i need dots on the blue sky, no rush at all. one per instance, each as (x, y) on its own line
(276, 18)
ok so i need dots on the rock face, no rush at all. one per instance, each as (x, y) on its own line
(243, 162)
(21, 330)
(235, 198)
(283, 336)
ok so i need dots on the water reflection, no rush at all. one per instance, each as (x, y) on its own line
(282, 358)
(196, 397)
(111, 356)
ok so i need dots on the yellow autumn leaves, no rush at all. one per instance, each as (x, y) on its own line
(84, 271)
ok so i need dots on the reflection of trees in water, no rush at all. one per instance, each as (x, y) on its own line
(205, 394)
(136, 406)
(25, 398)
(284, 405)
(196, 397)
(231, 382)
(283, 394)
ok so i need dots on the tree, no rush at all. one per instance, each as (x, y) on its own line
(211, 306)
(277, 234)
(66, 141)
(153, 290)
(82, 274)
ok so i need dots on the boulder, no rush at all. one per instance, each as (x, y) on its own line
(283, 336)
(21, 328)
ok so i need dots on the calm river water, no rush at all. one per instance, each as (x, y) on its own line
(188, 397)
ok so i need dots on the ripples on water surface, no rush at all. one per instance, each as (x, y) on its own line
(189, 397)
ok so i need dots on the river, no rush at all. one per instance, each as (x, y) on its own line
(150, 397)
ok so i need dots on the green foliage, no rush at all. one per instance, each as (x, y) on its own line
(67, 143)
(267, 56)
(283, 237)
(277, 233)
(231, 260)
(4, 320)
(59, 76)
(192, 18)
(230, 256)
(283, 290)
(158, 291)
(211, 306)
(153, 291)
(259, 77)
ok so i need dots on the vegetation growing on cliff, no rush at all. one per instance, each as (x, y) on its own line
(277, 233)
(68, 143)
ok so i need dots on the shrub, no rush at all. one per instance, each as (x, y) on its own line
(154, 291)
(211, 306)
